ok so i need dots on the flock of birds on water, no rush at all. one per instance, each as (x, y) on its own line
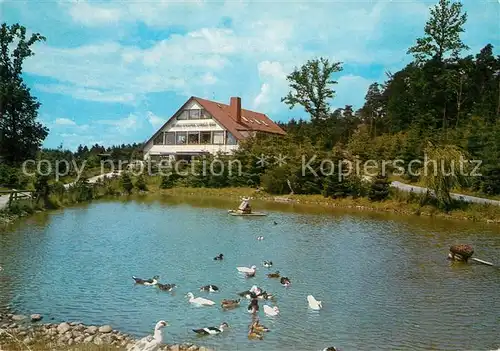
(254, 294)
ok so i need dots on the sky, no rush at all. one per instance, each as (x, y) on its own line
(112, 72)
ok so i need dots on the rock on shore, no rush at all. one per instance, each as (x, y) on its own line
(28, 330)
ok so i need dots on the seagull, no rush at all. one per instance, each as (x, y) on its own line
(212, 330)
(313, 303)
(152, 281)
(166, 287)
(209, 288)
(199, 300)
(271, 311)
(150, 343)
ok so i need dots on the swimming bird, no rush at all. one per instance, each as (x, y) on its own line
(253, 334)
(313, 303)
(166, 287)
(285, 281)
(275, 223)
(331, 348)
(219, 257)
(265, 296)
(199, 300)
(246, 269)
(252, 293)
(260, 238)
(230, 303)
(274, 275)
(212, 330)
(267, 264)
(152, 281)
(150, 343)
(259, 328)
(250, 274)
(271, 311)
(209, 288)
(253, 307)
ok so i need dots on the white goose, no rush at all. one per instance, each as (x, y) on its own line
(250, 270)
(271, 311)
(150, 343)
(199, 300)
(313, 303)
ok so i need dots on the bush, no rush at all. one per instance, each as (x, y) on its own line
(126, 182)
(140, 183)
(379, 189)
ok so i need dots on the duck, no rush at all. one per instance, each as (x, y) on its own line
(250, 274)
(274, 275)
(141, 281)
(265, 296)
(230, 303)
(199, 300)
(212, 330)
(219, 257)
(275, 223)
(209, 288)
(331, 348)
(253, 307)
(267, 264)
(313, 303)
(253, 334)
(271, 311)
(150, 343)
(252, 293)
(260, 238)
(252, 269)
(256, 326)
(285, 281)
(166, 287)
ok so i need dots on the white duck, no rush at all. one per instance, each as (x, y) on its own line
(250, 270)
(313, 303)
(271, 311)
(199, 300)
(150, 343)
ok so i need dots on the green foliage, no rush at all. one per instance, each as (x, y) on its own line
(442, 32)
(311, 87)
(169, 181)
(126, 182)
(20, 134)
(379, 189)
(140, 183)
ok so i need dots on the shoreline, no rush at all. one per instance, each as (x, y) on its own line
(359, 205)
(474, 213)
(22, 332)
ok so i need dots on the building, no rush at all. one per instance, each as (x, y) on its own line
(207, 127)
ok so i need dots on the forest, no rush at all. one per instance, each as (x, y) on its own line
(443, 104)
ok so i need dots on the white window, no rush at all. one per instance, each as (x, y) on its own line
(218, 138)
(180, 138)
(170, 138)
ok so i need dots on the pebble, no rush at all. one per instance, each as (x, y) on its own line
(63, 328)
(36, 317)
(105, 329)
(18, 317)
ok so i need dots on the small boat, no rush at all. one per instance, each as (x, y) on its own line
(245, 209)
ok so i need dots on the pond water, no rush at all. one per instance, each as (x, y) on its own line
(384, 280)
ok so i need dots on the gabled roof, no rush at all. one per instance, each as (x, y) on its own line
(250, 120)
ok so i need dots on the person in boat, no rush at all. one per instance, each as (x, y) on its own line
(245, 207)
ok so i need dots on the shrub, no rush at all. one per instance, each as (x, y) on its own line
(140, 183)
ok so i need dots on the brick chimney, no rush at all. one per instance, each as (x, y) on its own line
(235, 108)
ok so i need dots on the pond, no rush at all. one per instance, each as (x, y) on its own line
(384, 280)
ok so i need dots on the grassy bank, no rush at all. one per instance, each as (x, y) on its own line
(399, 202)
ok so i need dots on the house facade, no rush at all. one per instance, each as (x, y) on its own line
(207, 127)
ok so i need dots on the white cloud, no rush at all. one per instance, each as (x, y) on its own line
(155, 121)
(123, 125)
(65, 122)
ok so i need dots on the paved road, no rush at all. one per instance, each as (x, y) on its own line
(467, 198)
(94, 179)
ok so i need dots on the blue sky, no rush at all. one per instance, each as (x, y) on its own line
(111, 72)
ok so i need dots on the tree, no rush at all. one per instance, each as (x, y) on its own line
(442, 33)
(311, 87)
(126, 182)
(20, 134)
(140, 183)
(443, 171)
(379, 189)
